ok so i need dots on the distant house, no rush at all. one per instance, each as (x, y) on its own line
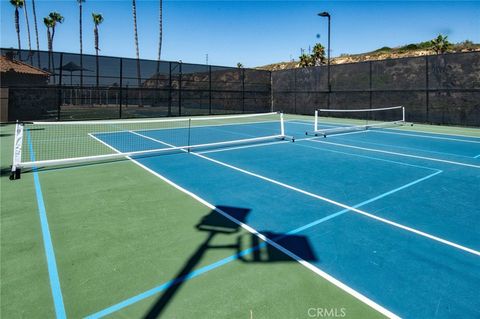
(17, 73)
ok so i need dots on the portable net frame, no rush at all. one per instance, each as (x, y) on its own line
(336, 121)
(43, 144)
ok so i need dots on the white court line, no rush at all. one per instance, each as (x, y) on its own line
(393, 145)
(396, 153)
(333, 124)
(331, 201)
(304, 263)
(477, 156)
(426, 136)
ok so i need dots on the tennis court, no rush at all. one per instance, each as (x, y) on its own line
(228, 216)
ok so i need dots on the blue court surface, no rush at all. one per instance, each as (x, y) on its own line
(391, 214)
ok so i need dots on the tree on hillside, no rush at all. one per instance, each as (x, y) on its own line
(317, 58)
(239, 65)
(318, 54)
(306, 60)
(441, 44)
(18, 4)
(97, 20)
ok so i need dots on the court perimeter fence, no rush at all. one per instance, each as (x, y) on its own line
(68, 86)
(438, 89)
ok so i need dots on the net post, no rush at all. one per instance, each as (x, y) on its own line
(282, 125)
(17, 151)
(403, 114)
(315, 125)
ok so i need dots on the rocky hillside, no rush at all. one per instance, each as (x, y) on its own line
(410, 50)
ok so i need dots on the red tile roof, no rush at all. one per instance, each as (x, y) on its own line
(8, 65)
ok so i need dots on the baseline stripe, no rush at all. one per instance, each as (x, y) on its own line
(47, 242)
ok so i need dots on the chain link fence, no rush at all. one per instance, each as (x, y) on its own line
(74, 87)
(440, 89)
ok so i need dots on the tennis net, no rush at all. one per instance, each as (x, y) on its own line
(42, 144)
(336, 121)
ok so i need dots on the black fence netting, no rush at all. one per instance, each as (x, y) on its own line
(440, 89)
(67, 86)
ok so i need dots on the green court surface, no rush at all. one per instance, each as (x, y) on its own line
(118, 231)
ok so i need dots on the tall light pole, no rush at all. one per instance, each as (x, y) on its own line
(326, 14)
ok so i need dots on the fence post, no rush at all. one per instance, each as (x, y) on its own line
(271, 91)
(370, 84)
(210, 89)
(59, 93)
(121, 89)
(169, 88)
(180, 89)
(427, 95)
(243, 90)
(295, 91)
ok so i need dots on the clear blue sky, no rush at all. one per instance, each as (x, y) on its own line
(252, 32)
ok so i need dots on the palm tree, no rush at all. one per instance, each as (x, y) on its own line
(160, 36)
(441, 44)
(28, 24)
(55, 18)
(49, 24)
(97, 20)
(81, 40)
(134, 12)
(36, 31)
(318, 55)
(239, 65)
(306, 60)
(17, 4)
(160, 32)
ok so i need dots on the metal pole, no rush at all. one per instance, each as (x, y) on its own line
(427, 95)
(121, 89)
(243, 90)
(209, 89)
(59, 94)
(169, 88)
(328, 65)
(328, 57)
(180, 89)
